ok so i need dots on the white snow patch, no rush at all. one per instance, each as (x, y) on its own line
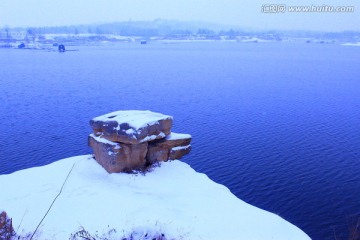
(176, 136)
(135, 118)
(105, 141)
(152, 137)
(173, 199)
(352, 44)
(130, 131)
(180, 148)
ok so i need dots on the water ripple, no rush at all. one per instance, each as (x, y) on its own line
(282, 139)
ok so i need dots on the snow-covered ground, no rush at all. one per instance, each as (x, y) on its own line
(172, 199)
(352, 44)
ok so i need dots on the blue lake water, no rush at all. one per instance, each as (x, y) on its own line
(277, 123)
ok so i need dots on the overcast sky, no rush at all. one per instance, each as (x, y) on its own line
(246, 13)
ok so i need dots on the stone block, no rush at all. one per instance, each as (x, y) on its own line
(162, 150)
(118, 157)
(132, 127)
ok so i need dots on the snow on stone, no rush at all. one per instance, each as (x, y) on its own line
(103, 140)
(175, 136)
(180, 148)
(129, 131)
(172, 199)
(135, 118)
(152, 137)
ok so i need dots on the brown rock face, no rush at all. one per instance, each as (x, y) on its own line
(173, 140)
(118, 157)
(132, 127)
(162, 150)
(6, 228)
(179, 152)
(157, 154)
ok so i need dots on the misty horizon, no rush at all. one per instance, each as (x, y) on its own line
(162, 26)
(334, 16)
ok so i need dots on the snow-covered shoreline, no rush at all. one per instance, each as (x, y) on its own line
(352, 44)
(172, 199)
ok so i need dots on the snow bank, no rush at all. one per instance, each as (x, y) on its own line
(172, 199)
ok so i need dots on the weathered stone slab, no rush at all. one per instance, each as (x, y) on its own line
(174, 140)
(132, 127)
(118, 157)
(161, 150)
(179, 152)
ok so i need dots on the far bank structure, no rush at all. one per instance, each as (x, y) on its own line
(124, 141)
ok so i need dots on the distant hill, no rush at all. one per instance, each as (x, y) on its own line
(156, 27)
(175, 28)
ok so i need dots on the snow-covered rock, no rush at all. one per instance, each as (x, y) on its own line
(174, 146)
(173, 200)
(178, 152)
(132, 126)
(133, 139)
